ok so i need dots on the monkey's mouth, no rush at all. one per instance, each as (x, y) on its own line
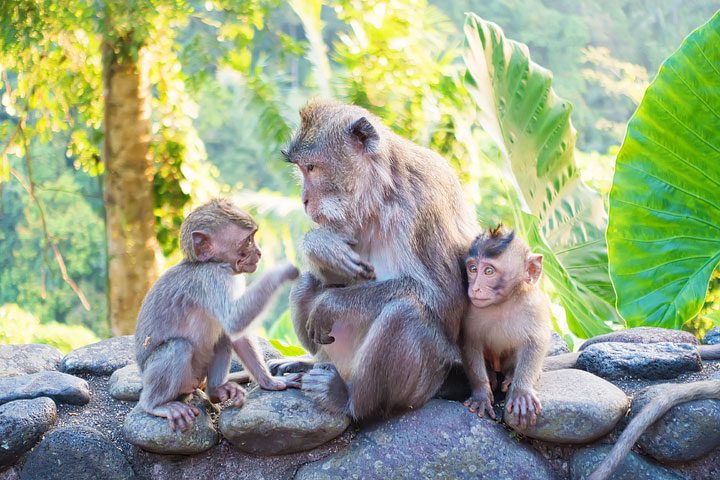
(481, 302)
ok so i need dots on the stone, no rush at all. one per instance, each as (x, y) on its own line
(652, 361)
(712, 337)
(154, 434)
(633, 467)
(577, 407)
(126, 383)
(268, 352)
(22, 425)
(558, 345)
(61, 387)
(275, 423)
(101, 358)
(77, 453)
(440, 440)
(686, 432)
(9, 474)
(29, 358)
(643, 335)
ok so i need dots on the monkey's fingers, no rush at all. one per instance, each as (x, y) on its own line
(294, 381)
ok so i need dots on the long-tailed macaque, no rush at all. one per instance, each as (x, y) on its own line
(383, 299)
(187, 319)
(507, 324)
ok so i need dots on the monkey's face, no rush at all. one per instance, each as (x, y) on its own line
(236, 246)
(492, 280)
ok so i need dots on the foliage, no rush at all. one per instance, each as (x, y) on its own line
(664, 230)
(561, 217)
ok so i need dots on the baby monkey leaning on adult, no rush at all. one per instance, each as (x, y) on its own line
(186, 321)
(507, 324)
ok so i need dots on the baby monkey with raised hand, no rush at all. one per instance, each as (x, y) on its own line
(187, 320)
(507, 324)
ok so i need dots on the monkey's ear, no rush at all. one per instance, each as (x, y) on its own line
(202, 245)
(534, 267)
(364, 134)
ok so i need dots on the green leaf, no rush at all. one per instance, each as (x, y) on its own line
(561, 217)
(664, 230)
(286, 349)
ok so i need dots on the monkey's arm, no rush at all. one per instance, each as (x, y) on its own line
(522, 402)
(330, 255)
(240, 313)
(481, 400)
(249, 354)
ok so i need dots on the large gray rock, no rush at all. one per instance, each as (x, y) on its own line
(61, 387)
(22, 424)
(712, 337)
(633, 467)
(558, 345)
(275, 423)
(154, 434)
(126, 383)
(28, 358)
(643, 335)
(577, 407)
(101, 358)
(77, 453)
(651, 361)
(687, 432)
(440, 440)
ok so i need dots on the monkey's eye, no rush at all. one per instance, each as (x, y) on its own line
(472, 268)
(489, 271)
(310, 167)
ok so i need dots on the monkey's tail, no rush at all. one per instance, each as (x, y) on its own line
(649, 415)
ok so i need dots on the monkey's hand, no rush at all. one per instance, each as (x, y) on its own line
(281, 366)
(321, 319)
(524, 407)
(335, 253)
(280, 383)
(228, 391)
(179, 414)
(481, 401)
(288, 272)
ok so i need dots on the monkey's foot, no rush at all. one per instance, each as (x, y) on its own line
(481, 401)
(506, 383)
(179, 414)
(227, 391)
(280, 382)
(325, 385)
(524, 407)
(281, 366)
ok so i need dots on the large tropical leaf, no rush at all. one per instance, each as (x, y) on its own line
(561, 217)
(664, 230)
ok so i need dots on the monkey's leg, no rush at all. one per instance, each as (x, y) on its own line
(251, 358)
(219, 389)
(481, 400)
(522, 401)
(166, 375)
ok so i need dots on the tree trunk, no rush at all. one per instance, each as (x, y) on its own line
(132, 245)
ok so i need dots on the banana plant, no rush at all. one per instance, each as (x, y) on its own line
(560, 216)
(664, 229)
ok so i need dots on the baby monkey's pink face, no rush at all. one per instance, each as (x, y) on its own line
(236, 246)
(491, 281)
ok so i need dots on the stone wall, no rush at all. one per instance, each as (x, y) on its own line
(75, 417)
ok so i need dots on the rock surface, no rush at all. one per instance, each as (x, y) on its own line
(440, 440)
(153, 433)
(712, 337)
(687, 432)
(650, 361)
(22, 424)
(101, 358)
(77, 453)
(558, 345)
(61, 387)
(634, 467)
(578, 407)
(275, 423)
(643, 335)
(30, 358)
(126, 383)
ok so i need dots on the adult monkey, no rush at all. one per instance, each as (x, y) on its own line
(383, 300)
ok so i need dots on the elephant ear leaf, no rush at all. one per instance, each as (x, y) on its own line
(664, 228)
(561, 217)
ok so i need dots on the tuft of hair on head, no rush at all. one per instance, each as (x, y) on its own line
(209, 218)
(492, 243)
